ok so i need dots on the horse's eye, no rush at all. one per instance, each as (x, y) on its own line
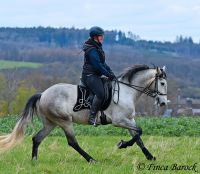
(162, 83)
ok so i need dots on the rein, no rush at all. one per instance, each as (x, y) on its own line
(144, 90)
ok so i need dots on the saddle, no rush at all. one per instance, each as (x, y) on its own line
(85, 96)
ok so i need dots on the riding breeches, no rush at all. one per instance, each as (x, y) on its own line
(95, 85)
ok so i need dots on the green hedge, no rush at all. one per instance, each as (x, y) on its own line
(182, 126)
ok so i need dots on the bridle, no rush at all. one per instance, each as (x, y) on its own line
(145, 90)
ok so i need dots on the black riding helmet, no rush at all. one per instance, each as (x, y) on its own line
(96, 31)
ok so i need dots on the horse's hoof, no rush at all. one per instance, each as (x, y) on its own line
(92, 161)
(122, 144)
(153, 159)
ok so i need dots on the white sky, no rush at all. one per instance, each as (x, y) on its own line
(159, 20)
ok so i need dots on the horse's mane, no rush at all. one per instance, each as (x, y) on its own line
(130, 71)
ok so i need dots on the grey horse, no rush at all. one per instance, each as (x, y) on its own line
(55, 108)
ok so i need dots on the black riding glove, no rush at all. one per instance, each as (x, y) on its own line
(111, 76)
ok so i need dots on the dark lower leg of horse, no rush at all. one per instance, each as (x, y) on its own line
(73, 143)
(136, 136)
(148, 155)
(37, 139)
(125, 144)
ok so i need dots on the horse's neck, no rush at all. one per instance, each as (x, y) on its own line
(143, 79)
(129, 96)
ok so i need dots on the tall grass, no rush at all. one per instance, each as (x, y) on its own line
(182, 126)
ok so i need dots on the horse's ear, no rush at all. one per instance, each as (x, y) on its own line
(158, 70)
(164, 68)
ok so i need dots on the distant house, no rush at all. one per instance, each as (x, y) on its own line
(185, 107)
(196, 112)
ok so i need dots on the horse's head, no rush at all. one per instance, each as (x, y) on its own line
(160, 85)
(150, 81)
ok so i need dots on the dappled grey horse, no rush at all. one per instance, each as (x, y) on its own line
(55, 108)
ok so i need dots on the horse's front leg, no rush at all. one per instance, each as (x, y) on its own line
(128, 124)
(135, 132)
(140, 143)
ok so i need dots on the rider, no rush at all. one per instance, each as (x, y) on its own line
(94, 67)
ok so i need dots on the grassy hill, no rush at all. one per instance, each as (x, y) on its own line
(5, 64)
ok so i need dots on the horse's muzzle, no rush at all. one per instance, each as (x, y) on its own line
(162, 104)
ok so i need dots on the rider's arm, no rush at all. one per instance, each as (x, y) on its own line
(107, 67)
(96, 63)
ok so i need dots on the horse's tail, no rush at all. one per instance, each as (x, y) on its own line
(8, 141)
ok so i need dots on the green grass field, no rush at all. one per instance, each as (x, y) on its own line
(171, 140)
(4, 64)
(55, 156)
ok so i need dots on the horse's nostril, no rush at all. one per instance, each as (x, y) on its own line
(162, 104)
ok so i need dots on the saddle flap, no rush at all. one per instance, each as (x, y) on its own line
(85, 97)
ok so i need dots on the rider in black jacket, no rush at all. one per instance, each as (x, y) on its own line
(94, 67)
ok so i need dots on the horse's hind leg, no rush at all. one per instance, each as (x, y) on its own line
(37, 139)
(69, 133)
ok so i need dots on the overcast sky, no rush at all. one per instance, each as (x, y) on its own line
(159, 20)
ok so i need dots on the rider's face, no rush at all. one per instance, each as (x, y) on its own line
(100, 38)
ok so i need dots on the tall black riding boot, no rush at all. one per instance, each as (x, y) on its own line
(96, 104)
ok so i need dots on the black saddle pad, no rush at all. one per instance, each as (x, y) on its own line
(85, 97)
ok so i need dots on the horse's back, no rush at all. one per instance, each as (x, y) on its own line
(60, 89)
(59, 98)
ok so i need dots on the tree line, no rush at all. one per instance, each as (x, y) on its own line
(20, 39)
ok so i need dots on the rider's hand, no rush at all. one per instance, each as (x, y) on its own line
(111, 76)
